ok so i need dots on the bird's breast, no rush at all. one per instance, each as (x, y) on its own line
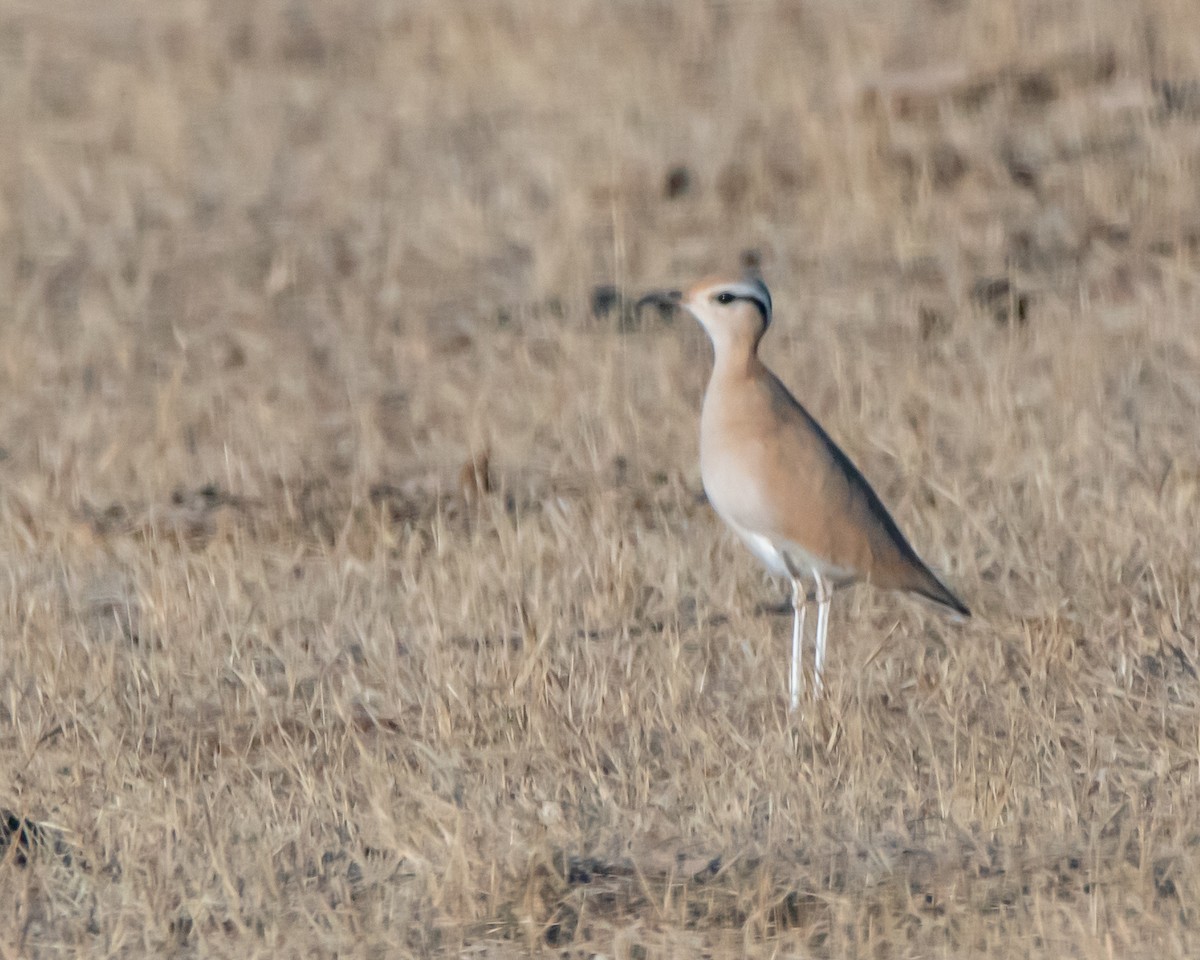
(735, 457)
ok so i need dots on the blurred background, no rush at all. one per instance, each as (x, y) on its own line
(242, 212)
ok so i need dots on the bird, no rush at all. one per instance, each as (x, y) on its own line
(778, 480)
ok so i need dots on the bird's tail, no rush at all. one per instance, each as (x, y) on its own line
(933, 588)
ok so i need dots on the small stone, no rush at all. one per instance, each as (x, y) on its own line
(605, 299)
(678, 182)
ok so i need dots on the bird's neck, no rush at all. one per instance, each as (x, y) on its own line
(735, 357)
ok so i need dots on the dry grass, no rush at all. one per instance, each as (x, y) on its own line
(281, 680)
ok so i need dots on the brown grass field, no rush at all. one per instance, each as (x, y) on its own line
(360, 597)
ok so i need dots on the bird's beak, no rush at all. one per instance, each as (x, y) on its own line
(665, 300)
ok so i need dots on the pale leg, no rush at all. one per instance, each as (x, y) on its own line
(824, 595)
(795, 674)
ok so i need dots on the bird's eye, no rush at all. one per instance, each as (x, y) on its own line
(725, 297)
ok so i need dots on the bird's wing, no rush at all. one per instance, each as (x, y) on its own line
(863, 536)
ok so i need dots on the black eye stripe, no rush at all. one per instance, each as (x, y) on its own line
(726, 297)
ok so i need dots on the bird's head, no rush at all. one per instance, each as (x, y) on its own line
(729, 308)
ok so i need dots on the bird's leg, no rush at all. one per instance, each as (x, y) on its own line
(795, 674)
(824, 595)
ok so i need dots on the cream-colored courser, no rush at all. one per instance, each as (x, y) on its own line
(777, 479)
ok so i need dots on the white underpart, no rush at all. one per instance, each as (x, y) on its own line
(768, 554)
